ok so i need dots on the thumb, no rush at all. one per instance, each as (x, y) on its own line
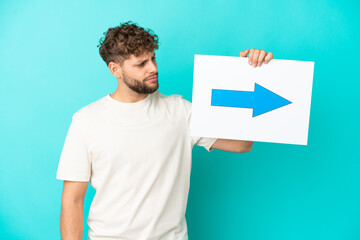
(244, 53)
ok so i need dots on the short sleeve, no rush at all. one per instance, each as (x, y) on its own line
(205, 142)
(75, 158)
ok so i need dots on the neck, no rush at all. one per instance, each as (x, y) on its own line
(126, 95)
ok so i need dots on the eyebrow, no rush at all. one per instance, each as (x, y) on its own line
(141, 61)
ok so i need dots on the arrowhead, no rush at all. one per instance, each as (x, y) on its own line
(266, 100)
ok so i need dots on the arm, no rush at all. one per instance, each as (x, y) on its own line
(229, 145)
(256, 57)
(72, 216)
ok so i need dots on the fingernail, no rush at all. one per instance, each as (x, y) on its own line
(250, 62)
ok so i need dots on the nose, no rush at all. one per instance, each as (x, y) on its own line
(153, 67)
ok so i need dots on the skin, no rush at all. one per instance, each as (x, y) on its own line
(132, 76)
(256, 58)
(133, 87)
(72, 205)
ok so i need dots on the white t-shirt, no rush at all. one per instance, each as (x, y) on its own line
(137, 157)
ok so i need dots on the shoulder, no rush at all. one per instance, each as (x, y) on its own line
(173, 99)
(88, 111)
(168, 98)
(176, 102)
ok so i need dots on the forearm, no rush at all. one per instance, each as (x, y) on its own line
(71, 221)
(229, 145)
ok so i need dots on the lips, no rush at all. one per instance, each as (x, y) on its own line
(153, 79)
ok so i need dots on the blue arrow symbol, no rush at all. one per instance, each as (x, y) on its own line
(261, 100)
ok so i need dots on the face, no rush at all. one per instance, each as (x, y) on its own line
(140, 73)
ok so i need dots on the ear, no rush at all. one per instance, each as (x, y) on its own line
(115, 69)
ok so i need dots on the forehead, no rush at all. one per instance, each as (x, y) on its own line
(141, 57)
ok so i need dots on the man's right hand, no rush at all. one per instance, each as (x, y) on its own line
(72, 204)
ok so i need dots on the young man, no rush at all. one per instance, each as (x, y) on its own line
(134, 147)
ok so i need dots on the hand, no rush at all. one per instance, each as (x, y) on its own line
(257, 56)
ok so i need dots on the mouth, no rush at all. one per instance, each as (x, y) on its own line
(153, 79)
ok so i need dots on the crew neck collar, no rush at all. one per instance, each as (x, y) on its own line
(133, 105)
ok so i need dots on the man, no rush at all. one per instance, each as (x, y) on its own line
(134, 146)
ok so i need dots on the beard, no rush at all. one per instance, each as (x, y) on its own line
(140, 86)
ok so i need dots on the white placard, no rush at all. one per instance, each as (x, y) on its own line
(234, 100)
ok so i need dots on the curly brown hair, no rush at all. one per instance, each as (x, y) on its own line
(128, 38)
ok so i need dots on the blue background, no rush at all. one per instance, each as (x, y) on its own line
(50, 67)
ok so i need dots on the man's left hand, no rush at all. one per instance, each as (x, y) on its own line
(257, 56)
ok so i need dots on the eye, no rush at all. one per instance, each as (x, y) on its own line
(141, 64)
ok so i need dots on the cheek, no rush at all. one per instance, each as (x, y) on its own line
(136, 73)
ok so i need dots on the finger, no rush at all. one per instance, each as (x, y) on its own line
(244, 53)
(261, 57)
(255, 57)
(251, 56)
(268, 57)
